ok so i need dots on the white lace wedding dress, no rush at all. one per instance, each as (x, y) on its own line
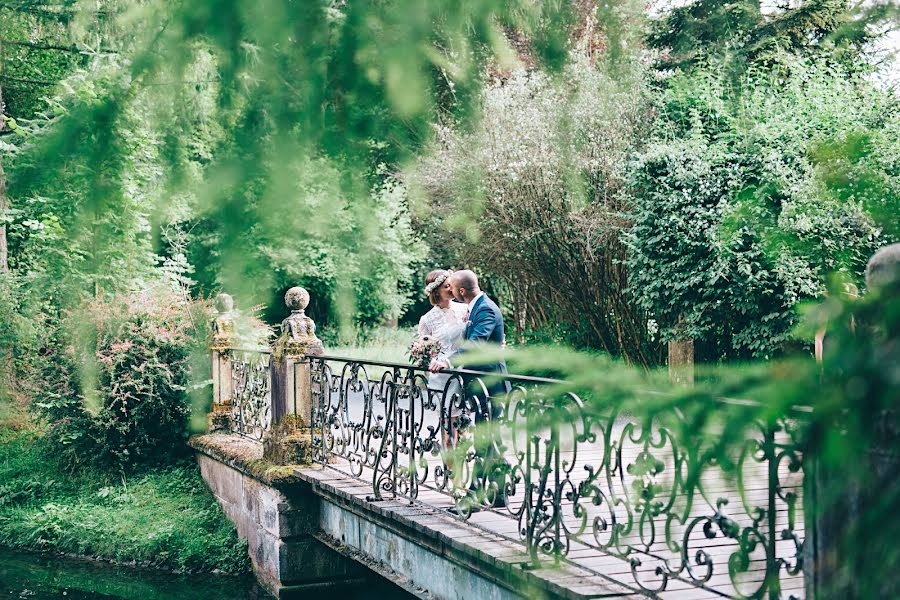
(447, 326)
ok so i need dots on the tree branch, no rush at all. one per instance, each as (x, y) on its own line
(36, 46)
(29, 81)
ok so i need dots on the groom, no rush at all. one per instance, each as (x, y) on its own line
(484, 324)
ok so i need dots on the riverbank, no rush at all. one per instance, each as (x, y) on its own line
(42, 576)
(165, 518)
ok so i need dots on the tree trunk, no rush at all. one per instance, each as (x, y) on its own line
(4, 204)
(681, 358)
(4, 201)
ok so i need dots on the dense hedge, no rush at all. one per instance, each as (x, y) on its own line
(750, 197)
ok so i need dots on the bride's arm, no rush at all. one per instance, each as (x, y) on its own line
(423, 329)
(444, 357)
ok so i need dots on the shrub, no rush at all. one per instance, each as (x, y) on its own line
(533, 198)
(18, 340)
(115, 391)
(748, 198)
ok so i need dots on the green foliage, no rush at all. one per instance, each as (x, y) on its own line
(115, 390)
(100, 229)
(748, 200)
(164, 518)
(532, 197)
(19, 337)
(39, 49)
(264, 134)
(741, 34)
(855, 437)
(350, 253)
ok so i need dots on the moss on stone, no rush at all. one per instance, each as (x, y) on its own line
(247, 457)
(289, 424)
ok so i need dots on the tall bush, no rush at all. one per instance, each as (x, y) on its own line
(115, 387)
(534, 197)
(19, 341)
(749, 197)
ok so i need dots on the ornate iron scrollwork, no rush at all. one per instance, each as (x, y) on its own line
(648, 489)
(251, 402)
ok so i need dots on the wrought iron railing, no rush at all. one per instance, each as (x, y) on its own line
(251, 392)
(650, 500)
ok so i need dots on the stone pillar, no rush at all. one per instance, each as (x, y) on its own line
(681, 358)
(840, 495)
(223, 339)
(289, 442)
(302, 373)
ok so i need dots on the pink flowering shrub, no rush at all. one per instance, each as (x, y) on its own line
(115, 390)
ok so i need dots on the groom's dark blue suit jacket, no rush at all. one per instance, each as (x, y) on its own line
(486, 325)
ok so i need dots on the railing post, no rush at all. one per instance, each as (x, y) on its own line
(289, 440)
(219, 419)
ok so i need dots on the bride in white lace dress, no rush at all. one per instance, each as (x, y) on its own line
(446, 323)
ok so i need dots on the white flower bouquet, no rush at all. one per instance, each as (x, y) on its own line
(423, 350)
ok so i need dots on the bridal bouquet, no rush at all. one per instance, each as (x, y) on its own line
(423, 350)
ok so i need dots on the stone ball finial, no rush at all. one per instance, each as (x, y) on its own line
(883, 267)
(224, 303)
(296, 298)
(223, 323)
(298, 332)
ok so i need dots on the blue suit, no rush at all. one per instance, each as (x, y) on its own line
(486, 325)
(490, 469)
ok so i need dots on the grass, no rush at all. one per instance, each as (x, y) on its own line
(165, 518)
(385, 344)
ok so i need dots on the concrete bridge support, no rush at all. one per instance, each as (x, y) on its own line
(280, 530)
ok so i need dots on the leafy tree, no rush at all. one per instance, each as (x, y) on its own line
(306, 104)
(747, 201)
(740, 33)
(41, 42)
(39, 46)
(93, 227)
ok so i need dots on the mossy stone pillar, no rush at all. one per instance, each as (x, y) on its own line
(837, 550)
(290, 441)
(219, 419)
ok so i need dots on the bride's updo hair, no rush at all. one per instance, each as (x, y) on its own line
(434, 296)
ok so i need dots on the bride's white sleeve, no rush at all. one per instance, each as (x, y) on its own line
(444, 356)
(423, 329)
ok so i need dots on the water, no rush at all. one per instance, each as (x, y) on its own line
(29, 576)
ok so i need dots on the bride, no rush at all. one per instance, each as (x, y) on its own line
(446, 323)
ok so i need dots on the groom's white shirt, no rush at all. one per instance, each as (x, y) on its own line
(469, 306)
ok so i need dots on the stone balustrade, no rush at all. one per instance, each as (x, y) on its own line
(265, 393)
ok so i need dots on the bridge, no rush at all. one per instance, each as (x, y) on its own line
(330, 466)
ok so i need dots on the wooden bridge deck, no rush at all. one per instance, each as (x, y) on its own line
(584, 550)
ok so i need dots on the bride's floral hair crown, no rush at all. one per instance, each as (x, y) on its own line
(438, 282)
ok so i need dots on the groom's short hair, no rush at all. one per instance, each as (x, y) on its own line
(466, 279)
